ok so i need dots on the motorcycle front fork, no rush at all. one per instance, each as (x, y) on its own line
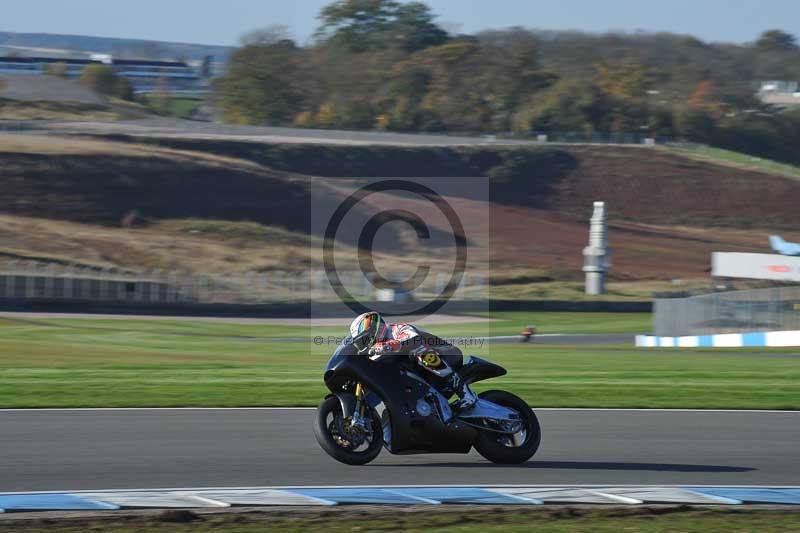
(358, 412)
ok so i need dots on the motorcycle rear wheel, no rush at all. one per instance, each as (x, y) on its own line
(325, 431)
(497, 447)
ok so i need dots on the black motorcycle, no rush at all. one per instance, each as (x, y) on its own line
(386, 403)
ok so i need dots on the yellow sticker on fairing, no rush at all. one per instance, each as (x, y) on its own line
(431, 359)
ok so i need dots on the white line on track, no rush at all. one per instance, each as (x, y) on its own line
(480, 485)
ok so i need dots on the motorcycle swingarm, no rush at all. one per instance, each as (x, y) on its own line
(486, 410)
(492, 430)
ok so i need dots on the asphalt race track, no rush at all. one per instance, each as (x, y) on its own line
(153, 448)
(571, 339)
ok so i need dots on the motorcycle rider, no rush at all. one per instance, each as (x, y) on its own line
(370, 334)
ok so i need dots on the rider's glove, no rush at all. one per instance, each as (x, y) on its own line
(383, 347)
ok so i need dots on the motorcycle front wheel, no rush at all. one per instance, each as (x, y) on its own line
(507, 449)
(346, 444)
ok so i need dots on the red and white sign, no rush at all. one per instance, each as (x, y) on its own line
(755, 266)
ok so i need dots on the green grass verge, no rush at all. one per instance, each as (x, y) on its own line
(575, 291)
(638, 519)
(502, 323)
(738, 159)
(509, 323)
(172, 107)
(134, 363)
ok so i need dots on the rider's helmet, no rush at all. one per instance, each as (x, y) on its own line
(366, 329)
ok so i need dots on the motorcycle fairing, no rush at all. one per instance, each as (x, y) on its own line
(348, 402)
(410, 431)
(476, 369)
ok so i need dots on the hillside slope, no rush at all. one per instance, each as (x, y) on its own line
(213, 206)
(42, 97)
(653, 185)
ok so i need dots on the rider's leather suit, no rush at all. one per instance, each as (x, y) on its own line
(438, 358)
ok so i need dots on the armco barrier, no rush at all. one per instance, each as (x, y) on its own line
(723, 340)
(398, 495)
(773, 309)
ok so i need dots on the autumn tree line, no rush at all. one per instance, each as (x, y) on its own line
(386, 65)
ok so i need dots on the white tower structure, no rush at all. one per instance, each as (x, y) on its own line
(597, 256)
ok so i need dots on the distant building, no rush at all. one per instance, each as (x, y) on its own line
(778, 86)
(144, 75)
(780, 93)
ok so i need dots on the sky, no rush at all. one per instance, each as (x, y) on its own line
(224, 21)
